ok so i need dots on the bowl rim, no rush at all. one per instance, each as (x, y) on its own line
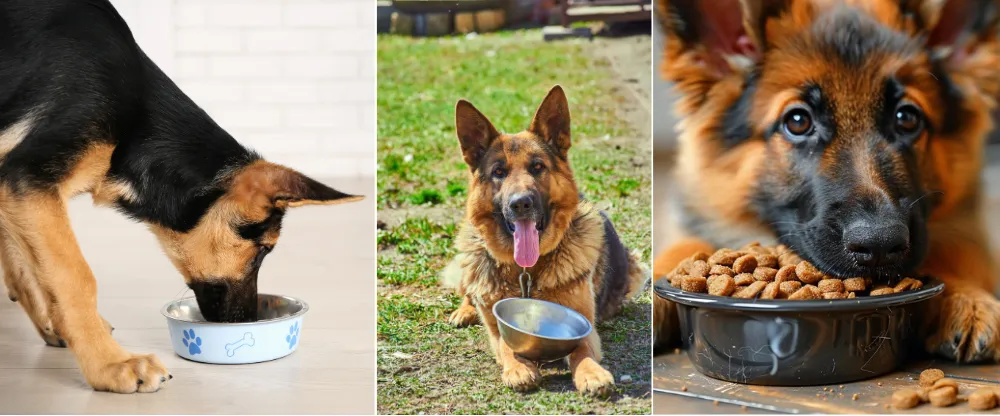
(664, 290)
(590, 326)
(305, 308)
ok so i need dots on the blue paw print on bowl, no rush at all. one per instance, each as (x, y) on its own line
(293, 335)
(192, 342)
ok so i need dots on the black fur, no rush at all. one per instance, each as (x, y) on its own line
(736, 127)
(224, 300)
(615, 284)
(493, 157)
(254, 231)
(855, 37)
(75, 67)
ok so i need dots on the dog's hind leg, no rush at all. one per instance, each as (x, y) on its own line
(23, 288)
(665, 325)
(39, 224)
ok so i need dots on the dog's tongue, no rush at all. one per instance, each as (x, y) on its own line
(525, 243)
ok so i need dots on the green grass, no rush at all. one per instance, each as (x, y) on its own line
(425, 365)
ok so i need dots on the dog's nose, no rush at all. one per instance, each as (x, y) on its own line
(522, 205)
(875, 245)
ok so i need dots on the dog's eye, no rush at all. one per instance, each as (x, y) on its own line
(798, 123)
(909, 122)
(537, 168)
(499, 173)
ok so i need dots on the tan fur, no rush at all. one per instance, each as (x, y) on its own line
(13, 134)
(39, 228)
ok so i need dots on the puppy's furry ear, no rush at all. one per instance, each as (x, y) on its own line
(707, 41)
(552, 120)
(475, 133)
(268, 184)
(963, 36)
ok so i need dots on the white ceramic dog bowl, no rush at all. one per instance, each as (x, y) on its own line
(277, 332)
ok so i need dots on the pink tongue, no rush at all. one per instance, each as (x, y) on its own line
(525, 243)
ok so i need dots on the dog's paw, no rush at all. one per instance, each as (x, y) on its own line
(968, 327)
(139, 373)
(464, 316)
(592, 379)
(51, 336)
(521, 377)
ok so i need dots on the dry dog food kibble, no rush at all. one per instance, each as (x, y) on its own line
(905, 399)
(943, 392)
(983, 399)
(943, 397)
(930, 376)
(757, 272)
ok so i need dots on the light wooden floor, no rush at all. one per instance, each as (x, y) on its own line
(326, 256)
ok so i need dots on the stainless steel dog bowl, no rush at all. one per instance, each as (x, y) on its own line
(276, 333)
(540, 330)
(798, 342)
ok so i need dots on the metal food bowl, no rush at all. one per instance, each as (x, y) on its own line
(275, 334)
(797, 342)
(540, 330)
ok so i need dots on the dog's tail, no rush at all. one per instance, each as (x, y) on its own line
(639, 277)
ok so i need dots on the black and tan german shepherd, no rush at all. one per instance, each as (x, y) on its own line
(524, 212)
(83, 110)
(851, 131)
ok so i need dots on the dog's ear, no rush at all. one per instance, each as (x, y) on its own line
(475, 133)
(963, 36)
(719, 36)
(552, 120)
(707, 41)
(266, 184)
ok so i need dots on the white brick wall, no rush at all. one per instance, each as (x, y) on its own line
(293, 79)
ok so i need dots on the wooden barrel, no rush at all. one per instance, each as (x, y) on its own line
(440, 24)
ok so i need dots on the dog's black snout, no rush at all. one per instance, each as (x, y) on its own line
(877, 245)
(522, 205)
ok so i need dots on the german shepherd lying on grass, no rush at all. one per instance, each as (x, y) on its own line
(851, 131)
(83, 110)
(524, 211)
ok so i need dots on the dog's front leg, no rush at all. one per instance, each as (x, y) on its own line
(518, 373)
(964, 321)
(665, 331)
(588, 375)
(39, 224)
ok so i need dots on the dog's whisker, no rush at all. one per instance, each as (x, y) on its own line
(922, 197)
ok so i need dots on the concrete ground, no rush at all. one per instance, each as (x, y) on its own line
(325, 256)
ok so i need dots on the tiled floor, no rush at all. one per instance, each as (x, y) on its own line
(326, 256)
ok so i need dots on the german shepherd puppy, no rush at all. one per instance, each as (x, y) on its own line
(853, 132)
(524, 212)
(83, 110)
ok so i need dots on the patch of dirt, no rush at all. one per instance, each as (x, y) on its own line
(435, 213)
(631, 59)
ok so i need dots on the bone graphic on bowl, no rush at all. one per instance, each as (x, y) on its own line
(247, 340)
